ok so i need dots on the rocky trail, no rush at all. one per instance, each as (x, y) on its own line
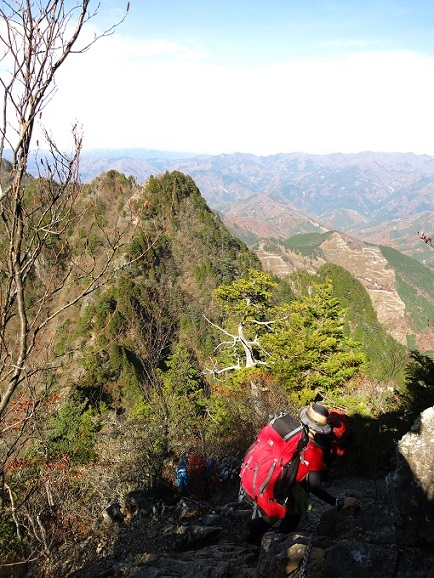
(165, 535)
(189, 538)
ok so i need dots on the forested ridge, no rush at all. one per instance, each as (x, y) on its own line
(187, 347)
(136, 331)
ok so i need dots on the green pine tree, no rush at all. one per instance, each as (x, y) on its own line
(310, 353)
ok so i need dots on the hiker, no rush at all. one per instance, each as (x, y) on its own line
(197, 476)
(312, 471)
(336, 443)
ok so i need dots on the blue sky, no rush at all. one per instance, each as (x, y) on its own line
(258, 77)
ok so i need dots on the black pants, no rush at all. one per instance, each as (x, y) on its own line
(256, 529)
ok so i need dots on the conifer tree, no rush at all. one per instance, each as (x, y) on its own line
(301, 344)
(309, 351)
(246, 304)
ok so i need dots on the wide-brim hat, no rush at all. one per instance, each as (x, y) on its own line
(316, 418)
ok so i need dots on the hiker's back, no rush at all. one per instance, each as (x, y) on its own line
(269, 467)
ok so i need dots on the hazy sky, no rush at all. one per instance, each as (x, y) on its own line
(261, 77)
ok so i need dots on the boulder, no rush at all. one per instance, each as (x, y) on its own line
(411, 484)
(358, 560)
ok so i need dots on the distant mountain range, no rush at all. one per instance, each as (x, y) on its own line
(383, 198)
(298, 211)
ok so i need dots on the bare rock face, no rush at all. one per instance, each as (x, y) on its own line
(365, 262)
(368, 265)
(411, 485)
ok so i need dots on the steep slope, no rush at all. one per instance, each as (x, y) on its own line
(129, 399)
(180, 252)
(384, 198)
(399, 287)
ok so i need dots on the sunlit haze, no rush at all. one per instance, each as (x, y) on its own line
(252, 76)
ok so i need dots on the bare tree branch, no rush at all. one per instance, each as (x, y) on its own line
(248, 346)
(44, 270)
(37, 38)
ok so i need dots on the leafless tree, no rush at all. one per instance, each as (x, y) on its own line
(37, 37)
(252, 351)
(42, 275)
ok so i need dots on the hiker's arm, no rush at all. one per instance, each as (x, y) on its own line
(316, 489)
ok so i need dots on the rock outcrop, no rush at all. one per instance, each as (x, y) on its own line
(411, 485)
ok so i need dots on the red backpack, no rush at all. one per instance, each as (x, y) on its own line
(270, 465)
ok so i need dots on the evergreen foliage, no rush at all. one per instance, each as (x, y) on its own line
(248, 299)
(307, 244)
(10, 543)
(385, 357)
(141, 387)
(309, 351)
(301, 344)
(146, 334)
(72, 432)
